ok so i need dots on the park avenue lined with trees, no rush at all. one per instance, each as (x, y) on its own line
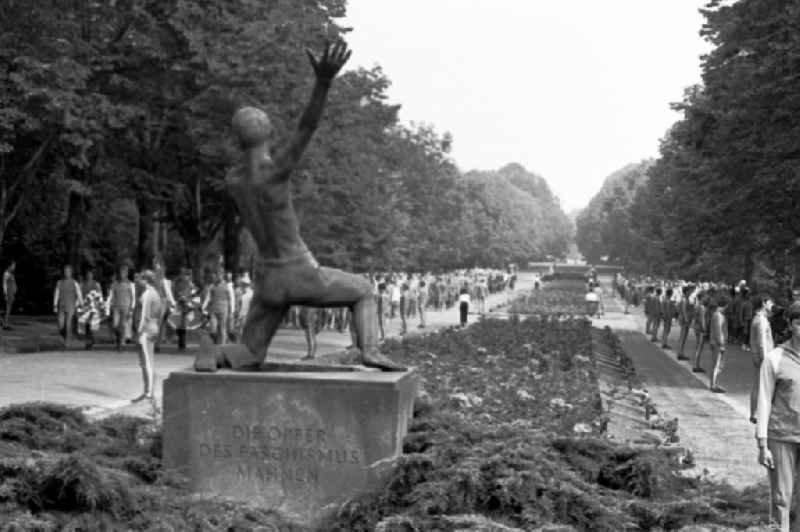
(470, 375)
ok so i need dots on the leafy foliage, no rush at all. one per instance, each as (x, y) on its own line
(606, 228)
(114, 120)
(716, 202)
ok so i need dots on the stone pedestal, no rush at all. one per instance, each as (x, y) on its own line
(299, 442)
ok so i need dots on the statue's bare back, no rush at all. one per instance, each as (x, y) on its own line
(261, 195)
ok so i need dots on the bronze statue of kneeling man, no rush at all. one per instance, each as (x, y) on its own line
(286, 273)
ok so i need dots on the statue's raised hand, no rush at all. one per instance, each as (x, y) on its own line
(332, 60)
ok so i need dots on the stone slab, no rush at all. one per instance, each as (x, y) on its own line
(299, 442)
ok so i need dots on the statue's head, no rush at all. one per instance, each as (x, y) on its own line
(251, 127)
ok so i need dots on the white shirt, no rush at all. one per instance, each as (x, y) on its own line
(244, 306)
(463, 298)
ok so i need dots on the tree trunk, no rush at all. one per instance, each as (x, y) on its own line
(145, 225)
(157, 249)
(201, 262)
(230, 237)
(749, 267)
(74, 229)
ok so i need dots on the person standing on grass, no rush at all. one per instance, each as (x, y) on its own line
(668, 313)
(718, 341)
(66, 299)
(151, 312)
(463, 304)
(687, 310)
(9, 292)
(778, 421)
(761, 343)
(701, 330)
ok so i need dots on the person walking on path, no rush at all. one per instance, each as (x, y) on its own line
(761, 343)
(219, 306)
(381, 300)
(9, 292)
(601, 308)
(66, 300)
(718, 341)
(185, 291)
(310, 323)
(152, 310)
(746, 317)
(164, 287)
(778, 425)
(655, 314)
(242, 305)
(463, 305)
(687, 311)
(121, 303)
(404, 288)
(648, 309)
(422, 302)
(668, 313)
(90, 313)
(701, 331)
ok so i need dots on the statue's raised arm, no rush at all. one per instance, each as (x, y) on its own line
(325, 68)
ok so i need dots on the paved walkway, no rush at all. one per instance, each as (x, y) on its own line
(103, 381)
(714, 426)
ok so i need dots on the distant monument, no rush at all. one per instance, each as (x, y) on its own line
(286, 273)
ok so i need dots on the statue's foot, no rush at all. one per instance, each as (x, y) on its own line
(208, 358)
(374, 359)
(239, 357)
(308, 357)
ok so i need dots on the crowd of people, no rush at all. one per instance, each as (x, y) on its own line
(720, 315)
(148, 308)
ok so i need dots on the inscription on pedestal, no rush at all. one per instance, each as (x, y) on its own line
(281, 455)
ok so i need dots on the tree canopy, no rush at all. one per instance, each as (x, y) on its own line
(719, 200)
(114, 143)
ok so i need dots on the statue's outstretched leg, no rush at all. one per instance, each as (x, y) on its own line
(318, 286)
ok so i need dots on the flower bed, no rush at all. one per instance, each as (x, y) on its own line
(510, 433)
(508, 436)
(565, 297)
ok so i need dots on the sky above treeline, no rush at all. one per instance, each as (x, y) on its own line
(571, 90)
